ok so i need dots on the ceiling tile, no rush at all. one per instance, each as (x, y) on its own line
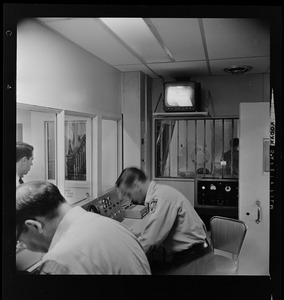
(139, 67)
(228, 41)
(182, 36)
(137, 35)
(90, 35)
(180, 69)
(232, 38)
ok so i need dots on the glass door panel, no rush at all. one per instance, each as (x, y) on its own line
(77, 152)
(32, 129)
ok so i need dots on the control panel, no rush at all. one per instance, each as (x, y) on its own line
(107, 205)
(221, 192)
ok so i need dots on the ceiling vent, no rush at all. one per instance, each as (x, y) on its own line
(238, 69)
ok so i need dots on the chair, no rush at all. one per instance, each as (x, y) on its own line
(228, 236)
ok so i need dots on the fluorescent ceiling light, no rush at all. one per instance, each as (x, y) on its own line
(137, 35)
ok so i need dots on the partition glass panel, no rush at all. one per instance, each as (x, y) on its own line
(192, 148)
(77, 152)
(37, 128)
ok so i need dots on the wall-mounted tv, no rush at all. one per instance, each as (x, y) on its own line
(182, 96)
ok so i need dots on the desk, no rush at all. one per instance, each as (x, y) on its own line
(29, 261)
(136, 225)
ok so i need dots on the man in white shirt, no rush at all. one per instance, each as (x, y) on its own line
(24, 160)
(75, 241)
(173, 223)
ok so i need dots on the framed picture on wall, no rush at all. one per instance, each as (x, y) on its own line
(75, 150)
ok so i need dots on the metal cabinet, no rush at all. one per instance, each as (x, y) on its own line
(254, 187)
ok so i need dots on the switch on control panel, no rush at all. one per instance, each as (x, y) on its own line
(217, 193)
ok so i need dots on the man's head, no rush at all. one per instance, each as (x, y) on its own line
(133, 184)
(24, 158)
(39, 209)
(235, 143)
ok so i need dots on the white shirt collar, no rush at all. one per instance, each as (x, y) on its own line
(150, 192)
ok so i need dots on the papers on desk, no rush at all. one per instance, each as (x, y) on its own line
(135, 211)
(136, 226)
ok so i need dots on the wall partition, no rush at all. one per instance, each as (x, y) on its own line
(110, 153)
(37, 126)
(78, 152)
(77, 136)
(192, 147)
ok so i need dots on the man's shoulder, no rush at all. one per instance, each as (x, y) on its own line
(162, 188)
(165, 192)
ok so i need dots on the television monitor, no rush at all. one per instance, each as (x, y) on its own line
(182, 96)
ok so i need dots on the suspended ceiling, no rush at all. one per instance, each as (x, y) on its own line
(171, 47)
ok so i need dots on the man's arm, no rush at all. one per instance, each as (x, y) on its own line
(51, 267)
(160, 222)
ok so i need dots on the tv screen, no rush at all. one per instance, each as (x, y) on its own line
(182, 96)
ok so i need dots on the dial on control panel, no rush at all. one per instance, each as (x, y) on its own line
(108, 207)
(217, 193)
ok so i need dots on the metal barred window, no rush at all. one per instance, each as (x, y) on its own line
(192, 147)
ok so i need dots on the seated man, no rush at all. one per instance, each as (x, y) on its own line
(75, 241)
(173, 222)
(228, 158)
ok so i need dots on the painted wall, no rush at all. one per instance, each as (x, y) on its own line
(226, 92)
(186, 187)
(24, 118)
(109, 154)
(53, 72)
(131, 120)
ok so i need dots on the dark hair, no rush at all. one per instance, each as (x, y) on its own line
(23, 150)
(129, 175)
(36, 199)
(235, 142)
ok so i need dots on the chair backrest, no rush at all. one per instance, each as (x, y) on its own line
(227, 234)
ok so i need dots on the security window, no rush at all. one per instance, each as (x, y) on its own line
(192, 148)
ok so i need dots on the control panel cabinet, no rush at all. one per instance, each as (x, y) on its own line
(216, 197)
(107, 205)
(217, 193)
